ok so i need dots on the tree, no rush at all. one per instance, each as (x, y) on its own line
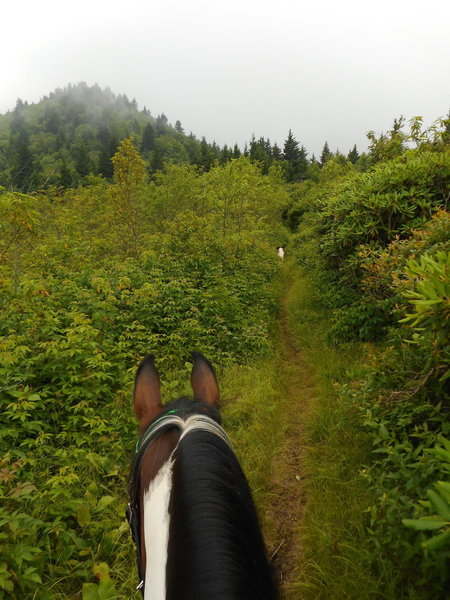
(178, 127)
(20, 218)
(276, 152)
(148, 138)
(23, 164)
(296, 158)
(171, 149)
(204, 158)
(129, 180)
(161, 124)
(83, 163)
(225, 155)
(108, 149)
(156, 163)
(260, 151)
(291, 149)
(387, 146)
(353, 155)
(52, 121)
(20, 152)
(326, 154)
(65, 175)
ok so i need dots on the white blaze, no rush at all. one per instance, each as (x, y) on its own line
(156, 532)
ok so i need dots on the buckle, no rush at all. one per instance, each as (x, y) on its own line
(129, 514)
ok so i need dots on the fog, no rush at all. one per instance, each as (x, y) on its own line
(227, 70)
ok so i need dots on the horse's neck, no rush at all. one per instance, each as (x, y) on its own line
(202, 536)
(215, 545)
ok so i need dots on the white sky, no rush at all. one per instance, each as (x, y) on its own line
(327, 69)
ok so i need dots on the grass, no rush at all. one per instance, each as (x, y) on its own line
(336, 562)
(252, 417)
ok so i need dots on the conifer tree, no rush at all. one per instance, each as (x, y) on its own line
(82, 160)
(148, 138)
(296, 158)
(105, 166)
(156, 163)
(20, 152)
(23, 171)
(65, 175)
(204, 157)
(267, 147)
(291, 151)
(161, 124)
(303, 163)
(326, 154)
(225, 155)
(215, 152)
(276, 152)
(353, 155)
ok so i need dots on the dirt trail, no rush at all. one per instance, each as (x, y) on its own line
(286, 507)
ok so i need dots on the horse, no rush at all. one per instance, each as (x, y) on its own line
(191, 512)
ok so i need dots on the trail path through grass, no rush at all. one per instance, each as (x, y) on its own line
(287, 496)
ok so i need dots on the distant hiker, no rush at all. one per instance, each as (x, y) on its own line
(280, 251)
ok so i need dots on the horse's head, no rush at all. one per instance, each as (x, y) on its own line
(159, 433)
(191, 512)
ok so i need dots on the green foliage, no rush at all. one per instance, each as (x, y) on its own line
(356, 219)
(431, 300)
(439, 502)
(388, 146)
(295, 158)
(376, 244)
(108, 273)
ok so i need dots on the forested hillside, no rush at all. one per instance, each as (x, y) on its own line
(119, 236)
(74, 132)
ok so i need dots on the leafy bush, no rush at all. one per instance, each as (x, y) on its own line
(439, 502)
(356, 230)
(430, 320)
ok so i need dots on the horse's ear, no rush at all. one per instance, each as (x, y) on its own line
(203, 380)
(147, 394)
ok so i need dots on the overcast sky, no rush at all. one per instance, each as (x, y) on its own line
(329, 69)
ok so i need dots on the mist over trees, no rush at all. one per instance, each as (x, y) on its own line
(74, 132)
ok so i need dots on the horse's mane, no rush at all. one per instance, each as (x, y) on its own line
(215, 546)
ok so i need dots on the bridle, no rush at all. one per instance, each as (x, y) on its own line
(168, 420)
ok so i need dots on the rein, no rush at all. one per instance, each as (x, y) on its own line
(194, 422)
